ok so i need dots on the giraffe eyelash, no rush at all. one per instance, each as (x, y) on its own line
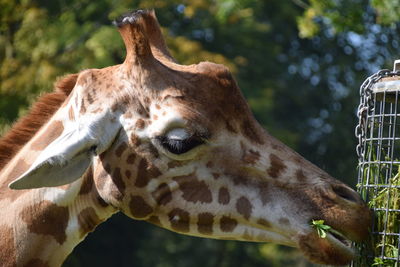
(180, 146)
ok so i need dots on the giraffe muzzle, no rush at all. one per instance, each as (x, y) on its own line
(334, 249)
(349, 217)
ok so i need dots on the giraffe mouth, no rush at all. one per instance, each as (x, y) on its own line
(334, 249)
(340, 241)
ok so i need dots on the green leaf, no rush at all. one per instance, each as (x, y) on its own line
(321, 228)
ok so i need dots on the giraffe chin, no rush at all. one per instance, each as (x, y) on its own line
(334, 249)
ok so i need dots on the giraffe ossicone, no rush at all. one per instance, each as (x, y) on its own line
(170, 144)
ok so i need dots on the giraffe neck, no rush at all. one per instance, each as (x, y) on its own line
(44, 225)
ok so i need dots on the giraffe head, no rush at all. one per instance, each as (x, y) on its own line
(178, 146)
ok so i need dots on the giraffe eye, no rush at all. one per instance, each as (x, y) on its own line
(179, 141)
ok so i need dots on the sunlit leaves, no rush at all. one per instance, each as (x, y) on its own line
(338, 15)
(104, 44)
(308, 27)
(387, 11)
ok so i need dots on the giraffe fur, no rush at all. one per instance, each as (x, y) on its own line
(170, 144)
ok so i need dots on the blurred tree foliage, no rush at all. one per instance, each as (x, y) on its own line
(299, 63)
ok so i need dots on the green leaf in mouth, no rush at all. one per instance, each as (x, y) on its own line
(321, 228)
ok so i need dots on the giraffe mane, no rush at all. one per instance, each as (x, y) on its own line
(40, 112)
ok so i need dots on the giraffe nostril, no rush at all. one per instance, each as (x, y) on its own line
(346, 193)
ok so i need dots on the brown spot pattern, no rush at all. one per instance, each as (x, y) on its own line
(120, 149)
(162, 194)
(250, 131)
(244, 207)
(90, 96)
(300, 176)
(7, 251)
(131, 158)
(87, 182)
(205, 223)
(87, 220)
(46, 218)
(194, 190)
(145, 173)
(53, 131)
(115, 106)
(230, 127)
(102, 175)
(264, 192)
(128, 174)
(97, 110)
(83, 108)
(175, 163)
(142, 178)
(153, 151)
(128, 115)
(179, 220)
(119, 183)
(277, 166)
(239, 180)
(135, 140)
(140, 124)
(264, 222)
(139, 207)
(251, 157)
(227, 224)
(224, 196)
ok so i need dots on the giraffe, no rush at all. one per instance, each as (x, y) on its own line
(170, 144)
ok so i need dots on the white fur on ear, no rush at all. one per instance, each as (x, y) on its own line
(67, 158)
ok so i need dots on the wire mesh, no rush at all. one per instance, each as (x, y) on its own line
(379, 173)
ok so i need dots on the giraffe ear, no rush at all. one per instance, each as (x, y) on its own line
(68, 157)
